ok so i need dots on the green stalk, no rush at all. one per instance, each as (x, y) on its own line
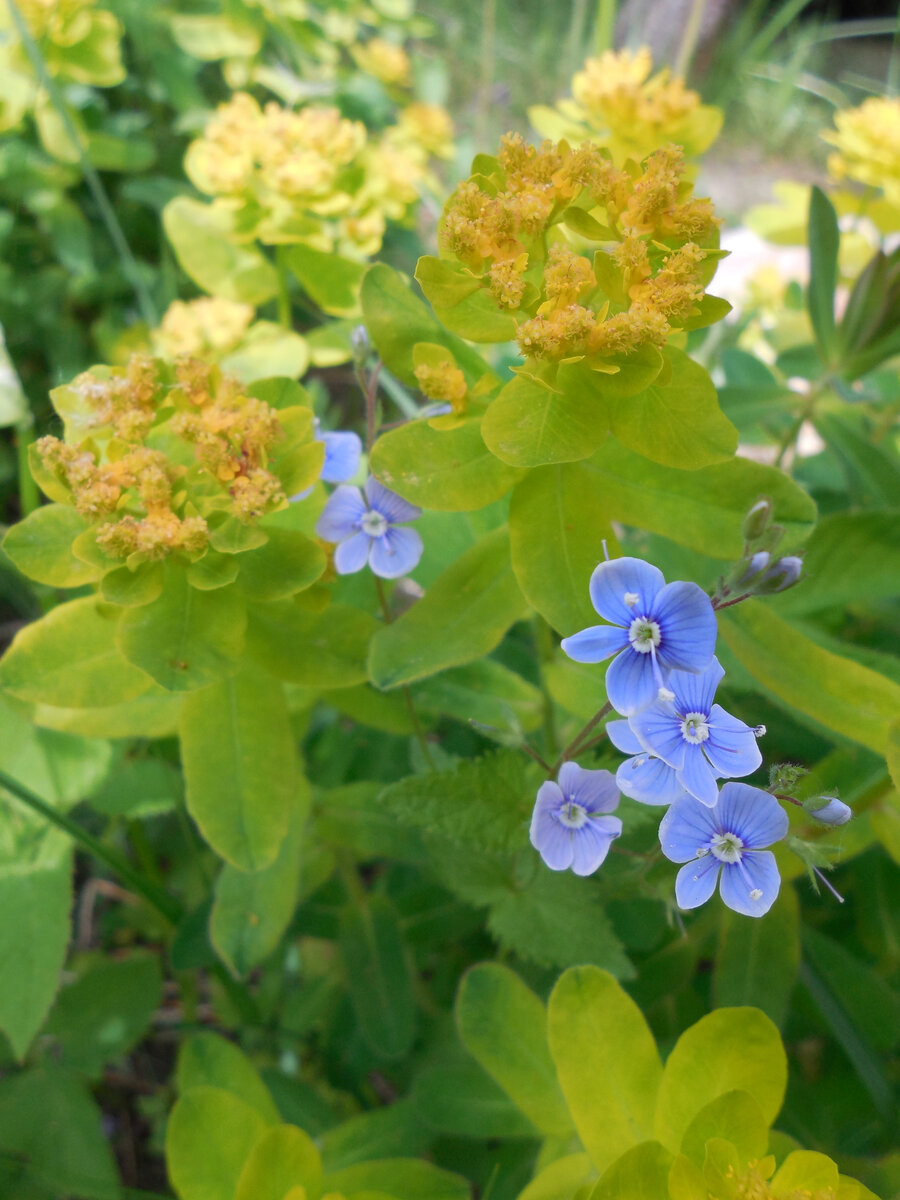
(130, 268)
(285, 315)
(575, 40)
(604, 26)
(29, 496)
(689, 39)
(543, 641)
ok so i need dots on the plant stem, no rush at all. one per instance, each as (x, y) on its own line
(285, 315)
(689, 38)
(604, 26)
(542, 762)
(544, 646)
(418, 731)
(29, 496)
(573, 747)
(575, 39)
(370, 391)
(486, 79)
(130, 268)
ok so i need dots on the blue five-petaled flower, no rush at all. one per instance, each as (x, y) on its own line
(694, 736)
(643, 777)
(367, 530)
(729, 838)
(655, 628)
(570, 827)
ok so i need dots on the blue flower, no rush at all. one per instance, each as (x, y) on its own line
(343, 452)
(367, 530)
(730, 837)
(568, 827)
(643, 777)
(655, 628)
(699, 739)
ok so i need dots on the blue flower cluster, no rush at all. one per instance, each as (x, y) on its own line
(680, 744)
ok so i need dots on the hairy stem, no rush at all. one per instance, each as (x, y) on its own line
(573, 747)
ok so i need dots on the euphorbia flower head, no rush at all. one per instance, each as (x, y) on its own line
(367, 530)
(654, 628)
(728, 838)
(569, 826)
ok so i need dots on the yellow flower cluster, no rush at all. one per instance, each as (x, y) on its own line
(386, 60)
(617, 103)
(445, 383)
(644, 284)
(204, 328)
(311, 175)
(148, 497)
(868, 145)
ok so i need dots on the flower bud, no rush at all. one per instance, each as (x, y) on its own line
(784, 777)
(780, 576)
(757, 520)
(751, 568)
(359, 340)
(829, 810)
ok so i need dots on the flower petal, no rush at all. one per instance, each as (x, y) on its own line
(696, 776)
(687, 625)
(341, 515)
(594, 644)
(623, 737)
(696, 882)
(686, 828)
(731, 746)
(659, 730)
(391, 506)
(754, 815)
(648, 780)
(551, 840)
(695, 693)
(595, 791)
(756, 872)
(342, 454)
(630, 682)
(352, 555)
(613, 580)
(591, 843)
(396, 553)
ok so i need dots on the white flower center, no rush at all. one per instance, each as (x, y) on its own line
(572, 815)
(643, 634)
(374, 524)
(695, 728)
(726, 847)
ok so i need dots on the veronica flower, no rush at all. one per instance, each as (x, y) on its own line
(655, 628)
(728, 839)
(342, 454)
(642, 777)
(367, 530)
(569, 827)
(699, 739)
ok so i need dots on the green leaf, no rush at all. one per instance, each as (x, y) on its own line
(408, 1178)
(333, 282)
(153, 714)
(756, 962)
(840, 694)
(530, 424)
(464, 1101)
(127, 588)
(642, 1173)
(60, 767)
(485, 692)
(461, 617)
(49, 1121)
(679, 423)
(872, 470)
(824, 244)
(35, 899)
(807, 1171)
(503, 1025)
(318, 649)
(209, 1060)
(210, 1135)
(597, 1033)
(213, 36)
(731, 1049)
(200, 236)
(41, 547)
(252, 909)
(379, 1133)
(396, 320)
(848, 561)
(735, 1117)
(69, 659)
(871, 1004)
(103, 1014)
(138, 787)
(378, 976)
(239, 767)
(286, 564)
(561, 1180)
(267, 349)
(450, 470)
(185, 639)
(285, 1159)
(557, 528)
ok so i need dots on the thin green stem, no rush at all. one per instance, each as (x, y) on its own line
(787, 442)
(573, 747)
(604, 26)
(285, 313)
(544, 645)
(418, 731)
(486, 74)
(689, 38)
(29, 496)
(130, 267)
(575, 39)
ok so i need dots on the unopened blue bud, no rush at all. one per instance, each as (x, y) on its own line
(830, 810)
(757, 520)
(753, 568)
(359, 340)
(781, 575)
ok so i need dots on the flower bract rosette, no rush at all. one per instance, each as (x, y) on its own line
(570, 827)
(696, 737)
(654, 628)
(726, 843)
(368, 529)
